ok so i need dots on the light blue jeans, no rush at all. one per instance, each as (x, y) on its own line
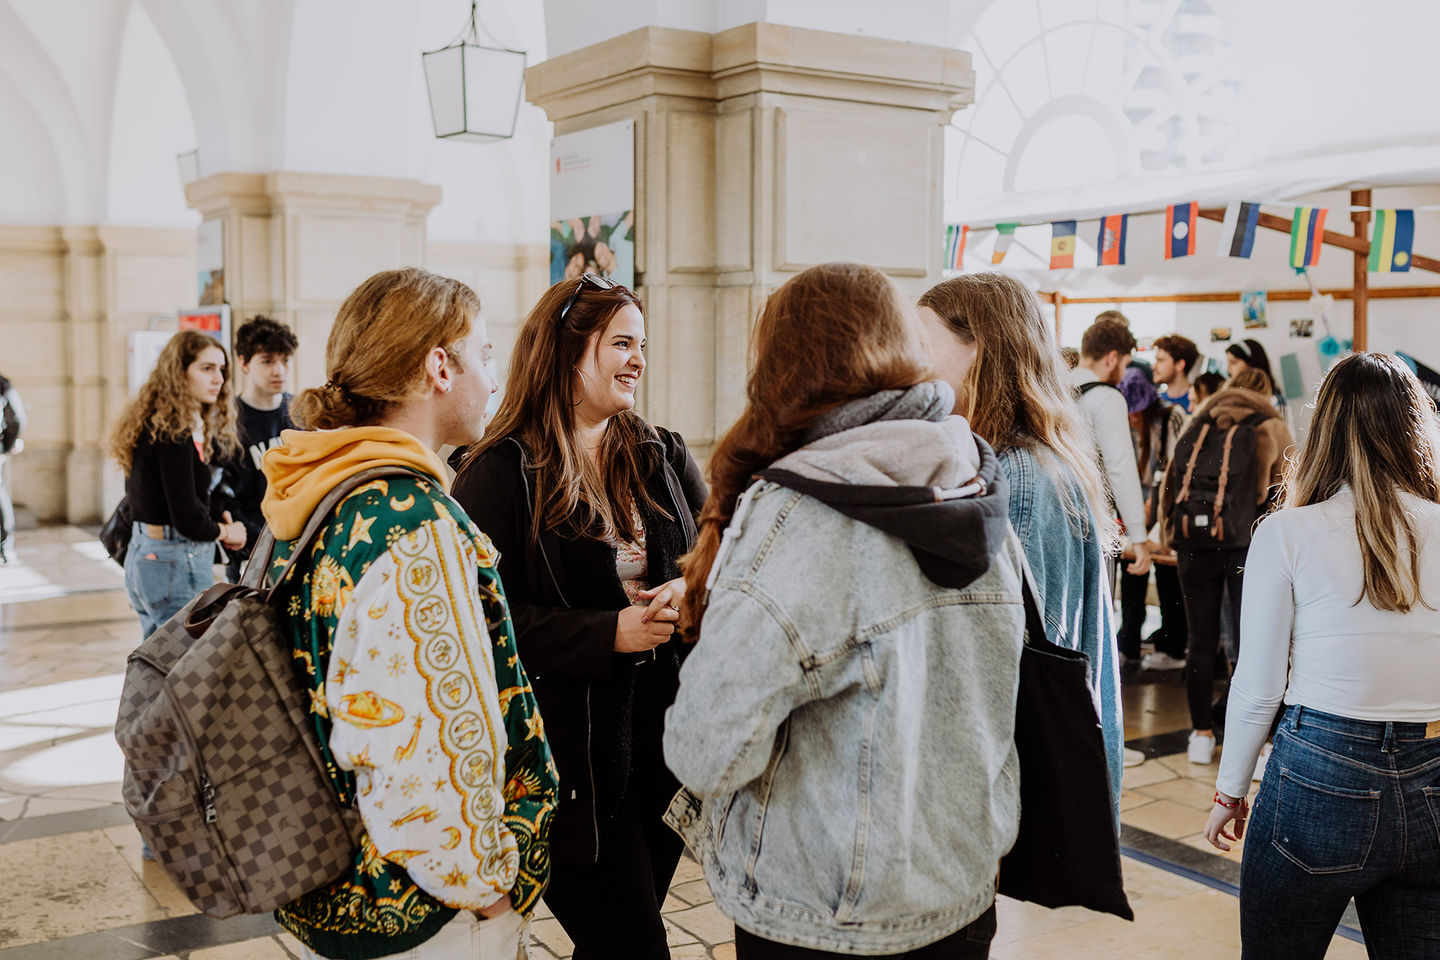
(161, 576)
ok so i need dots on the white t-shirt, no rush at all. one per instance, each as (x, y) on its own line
(1303, 638)
(1109, 420)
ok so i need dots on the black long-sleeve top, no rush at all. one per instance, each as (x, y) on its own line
(169, 484)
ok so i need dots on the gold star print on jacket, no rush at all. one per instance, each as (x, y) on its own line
(426, 718)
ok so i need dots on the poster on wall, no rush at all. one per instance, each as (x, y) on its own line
(210, 263)
(1219, 334)
(1302, 327)
(1252, 308)
(212, 320)
(592, 203)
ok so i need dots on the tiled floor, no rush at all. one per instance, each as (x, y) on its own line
(72, 884)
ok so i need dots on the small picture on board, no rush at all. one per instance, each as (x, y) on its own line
(1219, 334)
(1302, 327)
(1252, 307)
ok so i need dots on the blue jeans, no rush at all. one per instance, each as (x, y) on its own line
(161, 576)
(1348, 808)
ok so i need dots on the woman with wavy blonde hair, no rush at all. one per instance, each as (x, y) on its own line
(990, 341)
(1341, 639)
(167, 440)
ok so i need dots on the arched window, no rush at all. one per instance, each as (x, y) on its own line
(1072, 93)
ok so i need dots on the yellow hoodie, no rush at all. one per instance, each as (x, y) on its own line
(309, 464)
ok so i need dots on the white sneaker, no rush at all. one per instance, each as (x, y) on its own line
(1259, 773)
(1202, 748)
(1161, 661)
(1133, 758)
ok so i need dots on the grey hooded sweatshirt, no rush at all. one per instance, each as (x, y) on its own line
(844, 726)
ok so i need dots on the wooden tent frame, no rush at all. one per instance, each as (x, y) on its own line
(1359, 294)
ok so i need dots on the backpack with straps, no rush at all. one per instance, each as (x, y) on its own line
(223, 774)
(1213, 469)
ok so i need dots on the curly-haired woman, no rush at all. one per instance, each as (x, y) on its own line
(166, 440)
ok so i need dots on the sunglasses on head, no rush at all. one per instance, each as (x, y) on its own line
(599, 282)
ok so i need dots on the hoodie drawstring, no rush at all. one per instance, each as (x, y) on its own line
(731, 534)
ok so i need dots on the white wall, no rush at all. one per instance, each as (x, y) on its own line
(150, 127)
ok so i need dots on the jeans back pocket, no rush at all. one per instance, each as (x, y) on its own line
(1321, 828)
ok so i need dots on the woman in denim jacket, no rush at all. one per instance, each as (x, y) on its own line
(845, 723)
(993, 346)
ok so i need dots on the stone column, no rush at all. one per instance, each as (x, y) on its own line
(760, 151)
(296, 244)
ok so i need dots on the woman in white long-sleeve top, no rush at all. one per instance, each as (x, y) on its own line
(1339, 621)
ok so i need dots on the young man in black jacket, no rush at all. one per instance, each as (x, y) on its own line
(264, 348)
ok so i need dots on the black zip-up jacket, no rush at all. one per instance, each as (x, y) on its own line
(603, 711)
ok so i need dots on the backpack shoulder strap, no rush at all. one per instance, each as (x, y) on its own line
(1255, 419)
(1085, 388)
(254, 575)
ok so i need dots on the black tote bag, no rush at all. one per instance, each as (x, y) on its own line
(1067, 853)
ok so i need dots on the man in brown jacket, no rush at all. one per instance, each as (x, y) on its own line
(1206, 572)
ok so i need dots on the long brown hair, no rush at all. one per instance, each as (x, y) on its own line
(1376, 430)
(375, 355)
(1017, 392)
(572, 491)
(165, 409)
(828, 335)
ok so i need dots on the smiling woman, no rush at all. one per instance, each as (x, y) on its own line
(591, 508)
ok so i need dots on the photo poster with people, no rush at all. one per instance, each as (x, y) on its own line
(592, 203)
(210, 263)
(1252, 305)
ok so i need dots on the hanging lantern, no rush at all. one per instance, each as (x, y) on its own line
(475, 90)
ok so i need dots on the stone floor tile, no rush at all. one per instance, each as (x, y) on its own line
(1017, 919)
(44, 806)
(694, 893)
(1146, 885)
(1147, 773)
(723, 951)
(1180, 765)
(687, 870)
(706, 922)
(675, 936)
(694, 951)
(261, 948)
(1132, 798)
(1166, 818)
(673, 903)
(65, 885)
(1197, 794)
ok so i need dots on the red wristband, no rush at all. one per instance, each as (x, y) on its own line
(1236, 804)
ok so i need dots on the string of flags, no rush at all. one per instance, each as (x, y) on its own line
(1391, 248)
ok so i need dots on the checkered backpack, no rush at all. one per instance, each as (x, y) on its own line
(223, 774)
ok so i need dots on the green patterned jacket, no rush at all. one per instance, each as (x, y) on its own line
(401, 629)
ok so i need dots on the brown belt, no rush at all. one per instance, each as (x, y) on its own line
(154, 531)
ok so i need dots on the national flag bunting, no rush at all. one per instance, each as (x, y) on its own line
(1004, 236)
(1110, 246)
(1307, 236)
(1237, 232)
(955, 237)
(1394, 239)
(1180, 229)
(1062, 244)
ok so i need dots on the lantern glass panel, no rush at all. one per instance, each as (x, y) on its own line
(493, 81)
(445, 78)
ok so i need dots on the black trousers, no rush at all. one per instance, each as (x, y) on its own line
(967, 943)
(611, 908)
(1173, 635)
(1204, 575)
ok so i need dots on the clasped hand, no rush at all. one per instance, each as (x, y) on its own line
(645, 628)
